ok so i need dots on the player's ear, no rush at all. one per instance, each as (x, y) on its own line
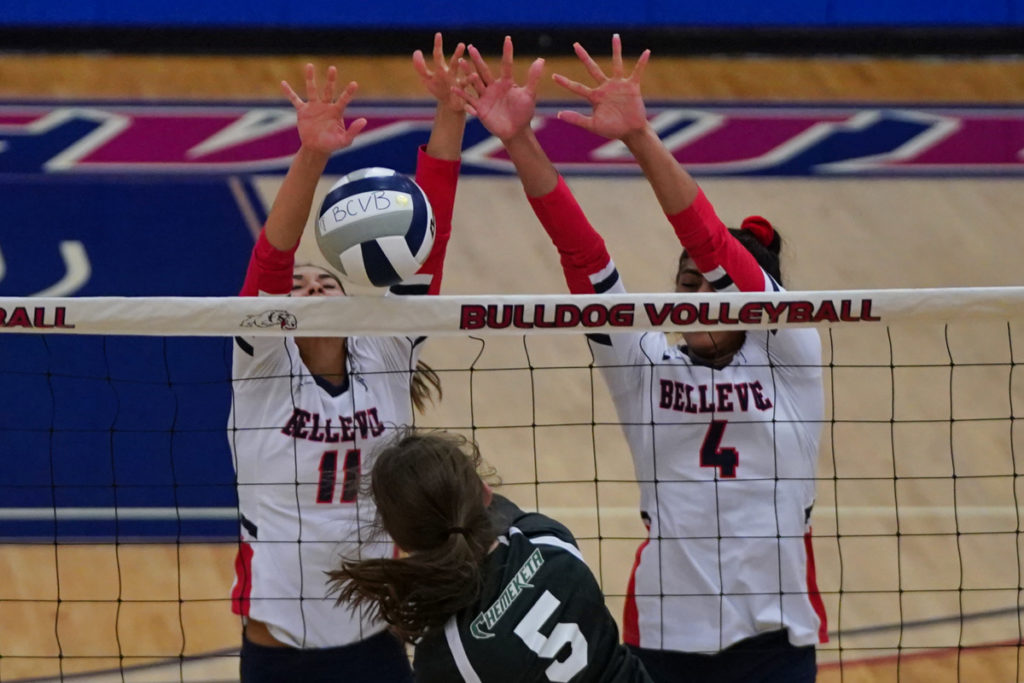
(488, 495)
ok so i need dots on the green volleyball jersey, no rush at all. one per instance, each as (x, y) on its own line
(540, 615)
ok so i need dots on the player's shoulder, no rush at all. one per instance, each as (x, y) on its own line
(643, 348)
(370, 351)
(515, 525)
(653, 345)
(363, 347)
(794, 342)
(433, 659)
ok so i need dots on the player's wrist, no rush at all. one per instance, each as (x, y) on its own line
(637, 138)
(312, 156)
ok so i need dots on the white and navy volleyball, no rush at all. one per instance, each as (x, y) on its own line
(376, 227)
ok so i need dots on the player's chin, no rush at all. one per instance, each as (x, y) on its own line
(701, 342)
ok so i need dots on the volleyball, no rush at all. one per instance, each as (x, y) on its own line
(375, 227)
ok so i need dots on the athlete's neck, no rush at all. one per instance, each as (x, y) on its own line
(725, 349)
(324, 356)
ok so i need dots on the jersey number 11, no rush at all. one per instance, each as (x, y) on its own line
(351, 468)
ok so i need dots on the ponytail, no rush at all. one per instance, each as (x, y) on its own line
(431, 500)
(764, 243)
(424, 386)
(761, 229)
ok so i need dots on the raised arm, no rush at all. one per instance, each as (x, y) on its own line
(322, 132)
(437, 163)
(506, 109)
(450, 116)
(619, 113)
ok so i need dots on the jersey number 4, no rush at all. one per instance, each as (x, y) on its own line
(713, 454)
(351, 468)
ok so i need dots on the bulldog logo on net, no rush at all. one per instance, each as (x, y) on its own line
(275, 318)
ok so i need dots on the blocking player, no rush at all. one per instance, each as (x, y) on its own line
(723, 429)
(486, 591)
(309, 414)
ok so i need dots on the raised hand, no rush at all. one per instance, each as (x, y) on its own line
(320, 117)
(504, 107)
(618, 107)
(445, 75)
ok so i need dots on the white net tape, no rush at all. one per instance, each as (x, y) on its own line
(499, 314)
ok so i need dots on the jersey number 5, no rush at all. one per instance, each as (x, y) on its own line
(351, 469)
(712, 454)
(548, 647)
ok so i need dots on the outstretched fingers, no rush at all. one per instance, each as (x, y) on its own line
(507, 58)
(332, 78)
(572, 86)
(533, 76)
(353, 129)
(438, 50)
(592, 68)
(311, 93)
(480, 65)
(460, 50)
(577, 119)
(291, 95)
(473, 80)
(641, 66)
(346, 95)
(617, 70)
(419, 62)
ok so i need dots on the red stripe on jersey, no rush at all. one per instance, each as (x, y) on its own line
(242, 588)
(708, 242)
(438, 179)
(812, 591)
(630, 618)
(270, 269)
(581, 249)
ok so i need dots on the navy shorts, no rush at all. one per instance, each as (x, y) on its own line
(380, 658)
(765, 658)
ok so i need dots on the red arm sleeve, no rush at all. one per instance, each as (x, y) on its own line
(581, 248)
(438, 178)
(722, 259)
(270, 270)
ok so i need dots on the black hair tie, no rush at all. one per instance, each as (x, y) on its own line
(458, 530)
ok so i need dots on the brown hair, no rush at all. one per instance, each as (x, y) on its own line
(424, 386)
(430, 500)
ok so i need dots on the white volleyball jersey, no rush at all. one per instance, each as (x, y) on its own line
(726, 459)
(299, 447)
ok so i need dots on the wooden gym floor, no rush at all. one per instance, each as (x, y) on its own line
(128, 605)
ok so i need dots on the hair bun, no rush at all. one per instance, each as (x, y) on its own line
(761, 228)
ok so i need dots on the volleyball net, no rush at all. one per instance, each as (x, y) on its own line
(119, 512)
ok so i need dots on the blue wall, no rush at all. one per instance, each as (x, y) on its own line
(408, 14)
(127, 422)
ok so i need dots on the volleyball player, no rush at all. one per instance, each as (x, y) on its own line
(723, 429)
(486, 591)
(309, 414)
